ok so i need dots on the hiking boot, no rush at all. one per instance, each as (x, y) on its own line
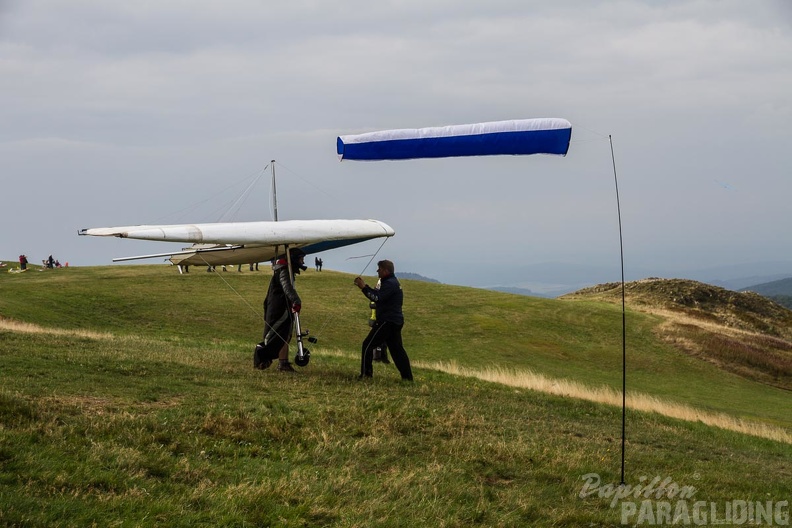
(285, 366)
(259, 362)
(263, 365)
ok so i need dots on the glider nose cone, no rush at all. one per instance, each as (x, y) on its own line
(389, 232)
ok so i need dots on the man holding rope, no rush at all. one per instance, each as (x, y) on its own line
(390, 320)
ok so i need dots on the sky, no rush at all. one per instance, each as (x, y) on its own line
(123, 113)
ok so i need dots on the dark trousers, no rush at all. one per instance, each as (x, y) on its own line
(276, 334)
(389, 334)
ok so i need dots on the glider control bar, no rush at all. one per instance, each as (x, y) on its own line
(172, 253)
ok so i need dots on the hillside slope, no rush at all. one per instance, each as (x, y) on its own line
(114, 429)
(128, 398)
(476, 329)
(740, 332)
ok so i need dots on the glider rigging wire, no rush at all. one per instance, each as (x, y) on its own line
(233, 209)
(225, 208)
(259, 315)
(328, 320)
(333, 317)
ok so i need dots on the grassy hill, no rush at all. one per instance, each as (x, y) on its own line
(128, 397)
(743, 333)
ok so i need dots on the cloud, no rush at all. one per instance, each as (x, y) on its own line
(127, 112)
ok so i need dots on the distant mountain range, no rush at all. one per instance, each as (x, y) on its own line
(771, 279)
(518, 291)
(779, 291)
(415, 276)
(554, 279)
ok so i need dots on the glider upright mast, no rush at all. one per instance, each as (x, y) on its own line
(274, 193)
(303, 354)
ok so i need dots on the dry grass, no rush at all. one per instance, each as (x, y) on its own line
(27, 328)
(763, 358)
(637, 401)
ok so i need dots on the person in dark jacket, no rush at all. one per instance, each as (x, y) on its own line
(390, 320)
(280, 305)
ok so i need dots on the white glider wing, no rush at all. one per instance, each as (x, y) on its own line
(244, 242)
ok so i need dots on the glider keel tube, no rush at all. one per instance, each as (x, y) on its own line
(292, 232)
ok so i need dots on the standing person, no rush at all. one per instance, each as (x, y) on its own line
(390, 320)
(316, 263)
(280, 305)
(23, 262)
(321, 263)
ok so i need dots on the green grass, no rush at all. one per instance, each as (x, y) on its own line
(577, 340)
(144, 410)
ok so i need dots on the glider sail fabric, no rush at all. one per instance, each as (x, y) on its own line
(514, 137)
(255, 233)
(242, 238)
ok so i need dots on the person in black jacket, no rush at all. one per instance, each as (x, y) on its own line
(280, 305)
(390, 320)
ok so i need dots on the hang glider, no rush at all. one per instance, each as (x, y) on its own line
(514, 137)
(245, 242)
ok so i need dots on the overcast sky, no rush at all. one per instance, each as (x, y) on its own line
(117, 113)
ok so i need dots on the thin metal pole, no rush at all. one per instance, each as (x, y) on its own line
(274, 192)
(624, 317)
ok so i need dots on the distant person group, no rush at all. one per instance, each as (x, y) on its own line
(48, 263)
(254, 266)
(51, 263)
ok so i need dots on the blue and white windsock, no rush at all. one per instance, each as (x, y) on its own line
(515, 137)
